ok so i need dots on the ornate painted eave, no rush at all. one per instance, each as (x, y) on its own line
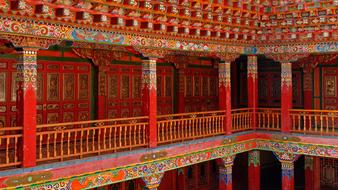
(244, 27)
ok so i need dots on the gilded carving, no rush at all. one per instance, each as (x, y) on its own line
(83, 87)
(3, 87)
(2, 124)
(125, 87)
(224, 74)
(52, 86)
(330, 86)
(83, 116)
(286, 74)
(159, 86)
(52, 118)
(149, 74)
(137, 86)
(39, 120)
(68, 117)
(153, 156)
(39, 87)
(252, 66)
(112, 88)
(69, 86)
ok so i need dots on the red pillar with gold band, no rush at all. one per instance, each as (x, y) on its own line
(252, 81)
(254, 170)
(286, 95)
(287, 161)
(224, 90)
(149, 98)
(225, 173)
(26, 103)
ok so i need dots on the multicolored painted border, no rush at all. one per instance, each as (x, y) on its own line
(17, 26)
(165, 164)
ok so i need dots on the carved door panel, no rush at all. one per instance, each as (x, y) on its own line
(7, 97)
(201, 90)
(124, 91)
(63, 92)
(164, 90)
(329, 92)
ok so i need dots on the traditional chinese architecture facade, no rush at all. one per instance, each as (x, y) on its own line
(168, 94)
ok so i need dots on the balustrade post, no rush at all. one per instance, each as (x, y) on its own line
(287, 161)
(149, 98)
(252, 82)
(153, 181)
(224, 90)
(286, 95)
(26, 103)
(254, 170)
(312, 173)
(225, 173)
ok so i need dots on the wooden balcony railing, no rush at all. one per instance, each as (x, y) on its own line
(268, 118)
(10, 145)
(241, 119)
(79, 139)
(64, 141)
(187, 126)
(324, 122)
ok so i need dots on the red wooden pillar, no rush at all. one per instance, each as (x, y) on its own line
(153, 181)
(287, 161)
(180, 94)
(123, 185)
(286, 95)
(149, 98)
(254, 170)
(26, 103)
(180, 179)
(312, 173)
(101, 100)
(252, 80)
(224, 90)
(225, 173)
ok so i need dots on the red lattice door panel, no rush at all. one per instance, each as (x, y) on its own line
(63, 92)
(164, 90)
(201, 89)
(329, 93)
(124, 91)
(66, 94)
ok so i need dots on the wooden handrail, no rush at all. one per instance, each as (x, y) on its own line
(190, 113)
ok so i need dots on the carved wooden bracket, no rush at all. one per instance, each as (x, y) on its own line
(99, 57)
(151, 52)
(286, 57)
(31, 42)
(311, 62)
(227, 56)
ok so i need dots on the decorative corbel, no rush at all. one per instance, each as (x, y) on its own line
(29, 41)
(151, 52)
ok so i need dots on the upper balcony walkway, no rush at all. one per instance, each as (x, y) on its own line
(69, 141)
